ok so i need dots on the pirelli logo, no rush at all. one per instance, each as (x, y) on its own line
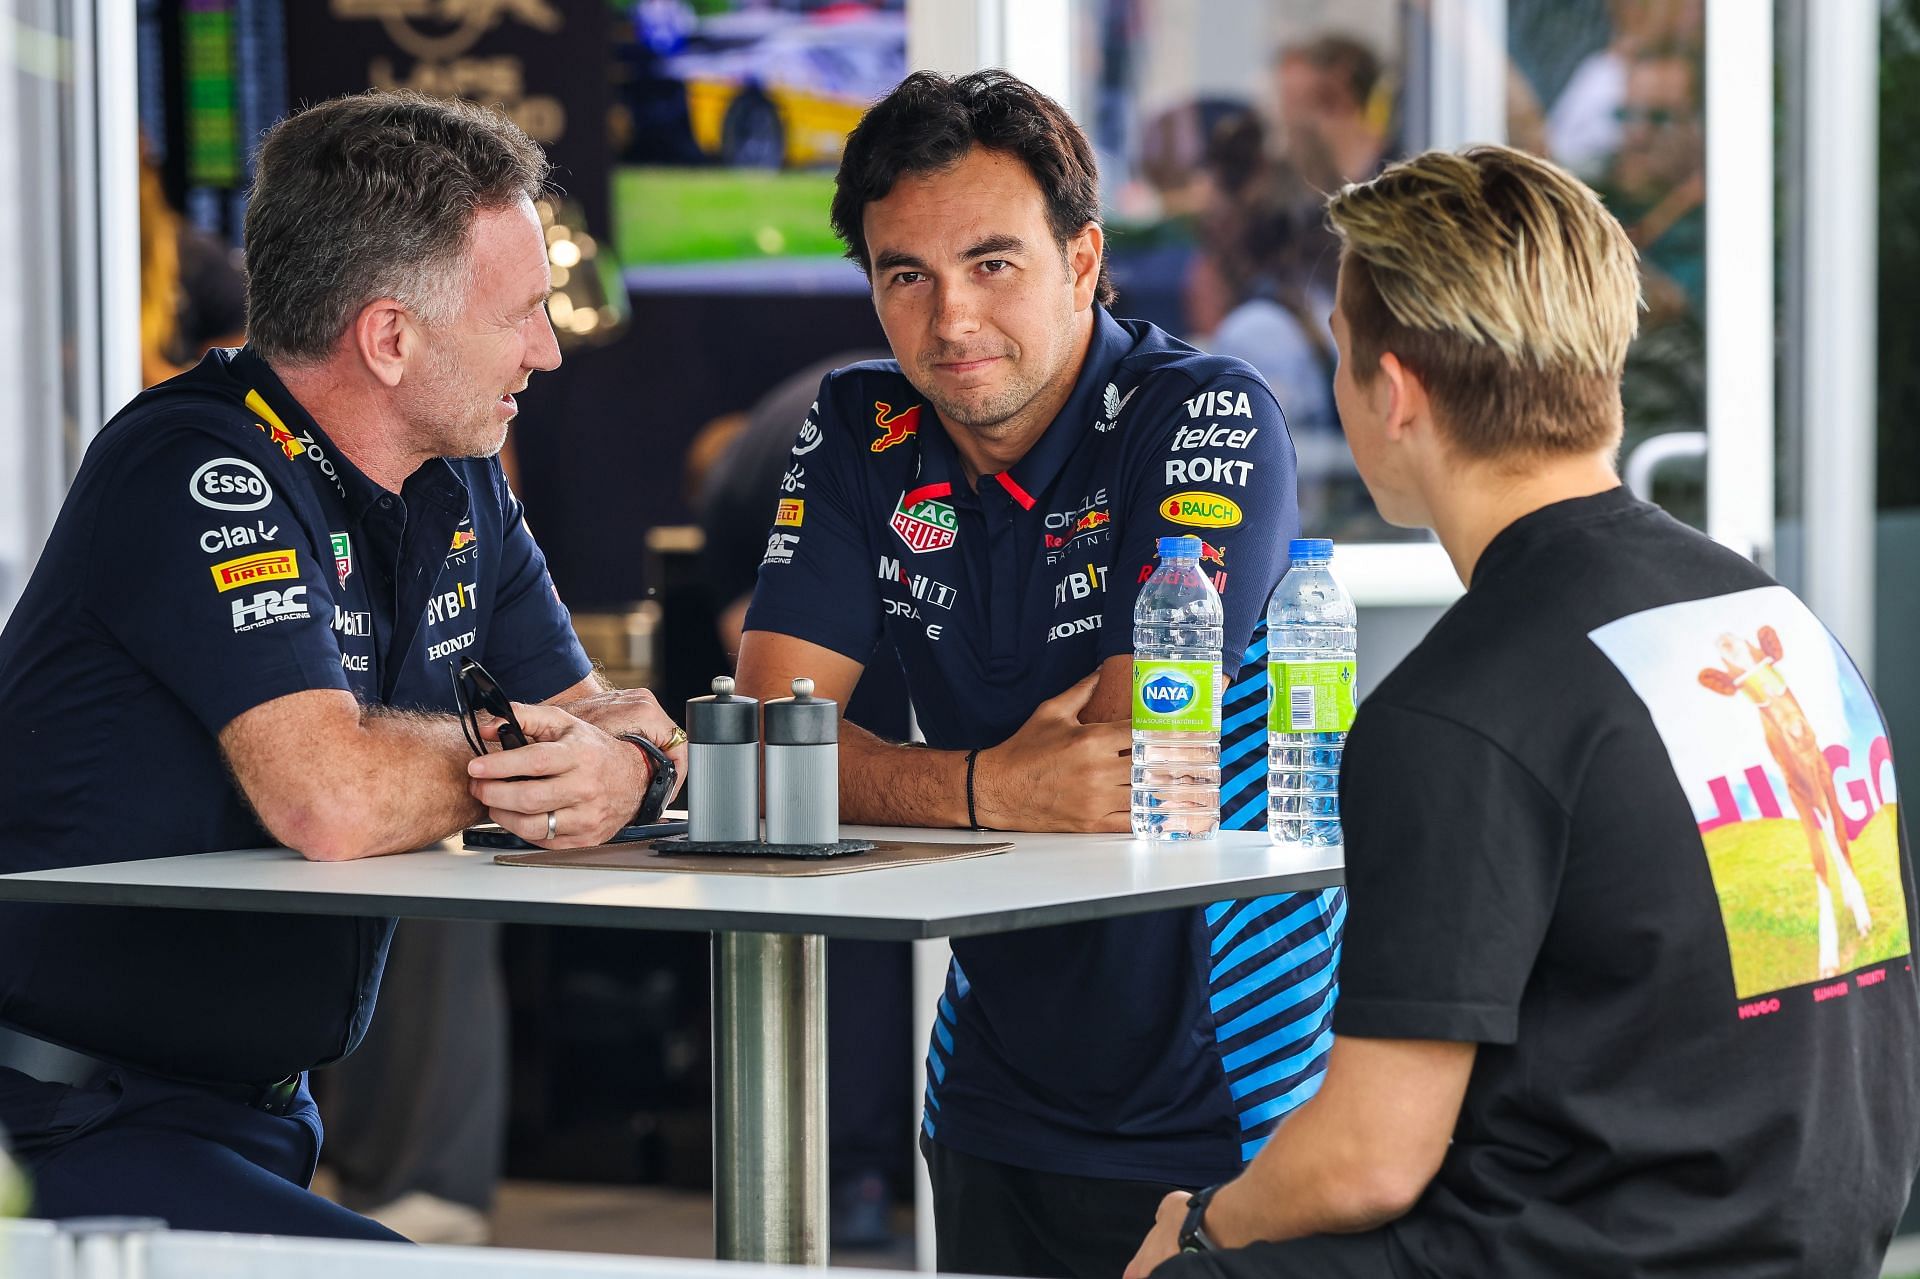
(792, 512)
(230, 575)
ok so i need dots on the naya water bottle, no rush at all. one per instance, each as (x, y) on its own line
(1310, 662)
(1176, 698)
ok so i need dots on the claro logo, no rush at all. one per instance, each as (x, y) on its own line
(230, 484)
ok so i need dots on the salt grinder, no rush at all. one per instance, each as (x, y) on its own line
(723, 767)
(803, 768)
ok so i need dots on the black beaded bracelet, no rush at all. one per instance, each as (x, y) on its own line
(973, 818)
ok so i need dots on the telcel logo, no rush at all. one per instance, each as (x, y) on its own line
(1167, 693)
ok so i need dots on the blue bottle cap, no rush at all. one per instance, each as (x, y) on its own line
(1185, 548)
(1310, 548)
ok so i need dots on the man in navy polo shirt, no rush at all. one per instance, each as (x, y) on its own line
(240, 631)
(990, 499)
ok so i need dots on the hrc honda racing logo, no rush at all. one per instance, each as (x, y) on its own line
(268, 607)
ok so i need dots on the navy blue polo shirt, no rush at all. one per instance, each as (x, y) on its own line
(216, 552)
(1155, 1047)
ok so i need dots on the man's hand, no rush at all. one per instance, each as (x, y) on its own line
(590, 782)
(631, 710)
(1057, 774)
(1163, 1241)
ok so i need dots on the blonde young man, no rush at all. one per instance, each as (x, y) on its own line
(1626, 986)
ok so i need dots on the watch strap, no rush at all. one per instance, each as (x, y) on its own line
(661, 775)
(1193, 1233)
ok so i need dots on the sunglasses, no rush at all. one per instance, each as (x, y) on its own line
(474, 690)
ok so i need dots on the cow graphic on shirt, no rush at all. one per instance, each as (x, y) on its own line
(1784, 759)
(1750, 670)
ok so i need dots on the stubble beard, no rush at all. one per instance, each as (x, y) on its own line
(452, 418)
(992, 415)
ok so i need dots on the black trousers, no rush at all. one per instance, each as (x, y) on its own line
(994, 1219)
(136, 1145)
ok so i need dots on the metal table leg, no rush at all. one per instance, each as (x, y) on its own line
(770, 1098)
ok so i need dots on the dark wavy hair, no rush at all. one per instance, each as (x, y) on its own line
(372, 196)
(930, 122)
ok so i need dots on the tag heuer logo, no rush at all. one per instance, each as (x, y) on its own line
(924, 522)
(342, 556)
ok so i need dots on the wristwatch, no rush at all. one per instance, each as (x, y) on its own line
(1193, 1234)
(659, 785)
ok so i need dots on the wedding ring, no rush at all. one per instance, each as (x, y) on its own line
(553, 824)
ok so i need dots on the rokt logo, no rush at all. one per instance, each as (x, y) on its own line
(895, 428)
(1167, 693)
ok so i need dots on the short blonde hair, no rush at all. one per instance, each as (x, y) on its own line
(1504, 285)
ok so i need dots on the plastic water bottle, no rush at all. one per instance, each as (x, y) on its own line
(1177, 623)
(1310, 662)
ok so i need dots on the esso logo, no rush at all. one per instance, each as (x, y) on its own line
(1167, 694)
(230, 484)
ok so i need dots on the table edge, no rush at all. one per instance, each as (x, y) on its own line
(21, 888)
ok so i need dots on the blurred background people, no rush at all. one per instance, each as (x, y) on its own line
(1335, 105)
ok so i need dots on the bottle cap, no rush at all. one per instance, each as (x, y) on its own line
(724, 719)
(1183, 548)
(803, 719)
(1318, 549)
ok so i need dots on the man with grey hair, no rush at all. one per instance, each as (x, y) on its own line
(271, 584)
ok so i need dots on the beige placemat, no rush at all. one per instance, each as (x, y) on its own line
(642, 857)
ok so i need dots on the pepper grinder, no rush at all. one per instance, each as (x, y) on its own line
(723, 767)
(803, 768)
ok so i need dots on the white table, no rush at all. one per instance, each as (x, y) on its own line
(769, 952)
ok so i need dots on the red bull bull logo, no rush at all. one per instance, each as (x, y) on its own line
(280, 435)
(1211, 554)
(462, 539)
(895, 428)
(1091, 521)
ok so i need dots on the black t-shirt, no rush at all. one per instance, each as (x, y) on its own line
(1583, 821)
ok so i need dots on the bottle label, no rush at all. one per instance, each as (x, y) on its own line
(1176, 696)
(1310, 697)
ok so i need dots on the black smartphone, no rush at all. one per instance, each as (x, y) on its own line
(495, 836)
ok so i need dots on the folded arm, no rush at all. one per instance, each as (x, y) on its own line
(337, 781)
(1356, 1155)
(1055, 773)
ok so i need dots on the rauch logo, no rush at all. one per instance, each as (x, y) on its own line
(1166, 693)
